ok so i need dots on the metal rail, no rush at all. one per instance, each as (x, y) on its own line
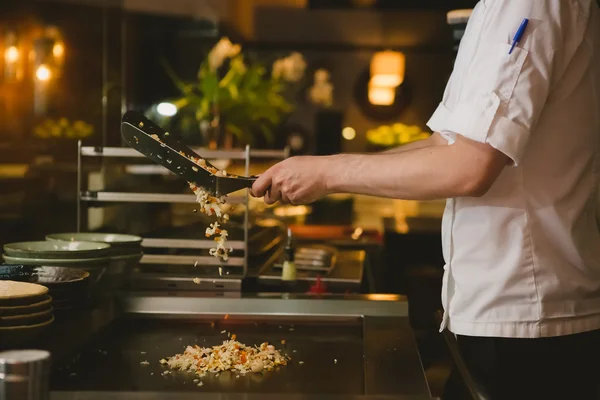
(130, 197)
(91, 197)
(189, 244)
(192, 260)
(241, 154)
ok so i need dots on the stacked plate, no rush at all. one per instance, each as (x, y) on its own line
(125, 253)
(25, 312)
(70, 288)
(89, 256)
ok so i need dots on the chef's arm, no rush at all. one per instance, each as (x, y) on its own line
(465, 168)
(434, 140)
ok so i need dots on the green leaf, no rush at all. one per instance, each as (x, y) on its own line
(267, 133)
(173, 75)
(239, 133)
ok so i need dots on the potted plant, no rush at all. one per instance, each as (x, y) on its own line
(233, 99)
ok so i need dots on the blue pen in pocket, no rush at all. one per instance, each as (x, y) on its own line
(519, 34)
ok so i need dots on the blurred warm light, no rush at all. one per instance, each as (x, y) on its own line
(348, 133)
(382, 297)
(11, 55)
(357, 233)
(364, 3)
(381, 95)
(58, 50)
(166, 109)
(460, 16)
(291, 211)
(388, 68)
(42, 73)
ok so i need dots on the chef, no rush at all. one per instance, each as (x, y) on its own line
(516, 151)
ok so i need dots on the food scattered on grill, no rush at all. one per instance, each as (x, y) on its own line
(230, 356)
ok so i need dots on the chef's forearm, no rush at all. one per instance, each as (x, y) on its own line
(435, 172)
(433, 140)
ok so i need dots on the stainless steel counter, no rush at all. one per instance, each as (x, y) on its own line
(347, 274)
(353, 347)
(219, 396)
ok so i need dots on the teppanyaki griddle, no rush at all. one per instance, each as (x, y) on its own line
(327, 358)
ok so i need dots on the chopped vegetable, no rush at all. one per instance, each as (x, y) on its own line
(230, 356)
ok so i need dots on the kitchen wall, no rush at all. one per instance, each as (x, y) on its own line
(343, 41)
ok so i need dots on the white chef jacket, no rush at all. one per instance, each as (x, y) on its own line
(524, 259)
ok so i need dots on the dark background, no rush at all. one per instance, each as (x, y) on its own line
(119, 52)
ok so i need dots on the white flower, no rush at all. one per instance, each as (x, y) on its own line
(321, 75)
(322, 90)
(223, 49)
(290, 68)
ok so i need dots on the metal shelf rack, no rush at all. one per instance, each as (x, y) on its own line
(86, 196)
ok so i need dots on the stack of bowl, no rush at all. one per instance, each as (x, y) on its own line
(70, 288)
(88, 256)
(125, 254)
(25, 311)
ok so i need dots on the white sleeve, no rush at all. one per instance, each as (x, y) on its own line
(502, 95)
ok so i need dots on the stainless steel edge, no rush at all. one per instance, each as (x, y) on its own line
(79, 177)
(218, 396)
(90, 151)
(247, 209)
(191, 260)
(189, 244)
(150, 197)
(264, 306)
(310, 279)
(154, 282)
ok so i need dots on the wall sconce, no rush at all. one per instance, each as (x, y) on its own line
(48, 58)
(387, 73)
(381, 91)
(43, 73)
(381, 95)
(388, 68)
(13, 59)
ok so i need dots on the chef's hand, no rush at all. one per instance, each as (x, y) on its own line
(297, 180)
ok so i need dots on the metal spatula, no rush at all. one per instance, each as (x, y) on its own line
(155, 143)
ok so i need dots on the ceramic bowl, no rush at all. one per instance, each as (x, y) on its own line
(95, 266)
(125, 254)
(63, 283)
(121, 244)
(57, 250)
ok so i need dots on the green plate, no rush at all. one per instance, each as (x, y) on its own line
(84, 263)
(57, 250)
(114, 239)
